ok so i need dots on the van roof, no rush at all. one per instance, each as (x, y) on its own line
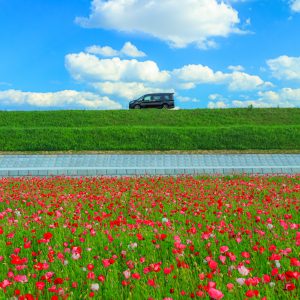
(160, 94)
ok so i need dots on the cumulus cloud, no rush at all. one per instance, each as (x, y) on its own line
(177, 22)
(187, 99)
(254, 103)
(87, 67)
(128, 50)
(236, 81)
(185, 85)
(295, 5)
(218, 104)
(240, 81)
(131, 78)
(124, 78)
(198, 74)
(214, 96)
(286, 97)
(238, 68)
(127, 90)
(131, 50)
(285, 67)
(217, 101)
(57, 99)
(103, 51)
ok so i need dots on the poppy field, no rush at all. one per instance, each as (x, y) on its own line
(233, 237)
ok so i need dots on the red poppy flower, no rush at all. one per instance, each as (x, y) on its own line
(252, 293)
(48, 235)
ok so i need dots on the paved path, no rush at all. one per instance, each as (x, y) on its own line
(156, 164)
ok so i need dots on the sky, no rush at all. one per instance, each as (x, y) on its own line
(101, 54)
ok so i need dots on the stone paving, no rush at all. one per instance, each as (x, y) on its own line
(148, 164)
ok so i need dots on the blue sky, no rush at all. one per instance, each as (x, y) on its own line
(100, 54)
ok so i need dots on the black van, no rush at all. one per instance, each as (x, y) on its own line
(158, 100)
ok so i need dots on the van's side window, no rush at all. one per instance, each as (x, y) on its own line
(167, 97)
(147, 98)
(156, 98)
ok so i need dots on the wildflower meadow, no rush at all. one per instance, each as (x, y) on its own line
(234, 237)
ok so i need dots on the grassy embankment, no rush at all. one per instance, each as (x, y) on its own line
(201, 129)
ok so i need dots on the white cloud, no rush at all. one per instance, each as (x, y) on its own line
(127, 90)
(207, 44)
(215, 97)
(128, 50)
(295, 5)
(57, 99)
(285, 97)
(218, 101)
(236, 81)
(178, 22)
(260, 104)
(186, 99)
(285, 67)
(131, 50)
(87, 67)
(238, 68)
(124, 78)
(198, 74)
(131, 78)
(185, 85)
(282, 96)
(218, 104)
(240, 81)
(254, 103)
(104, 51)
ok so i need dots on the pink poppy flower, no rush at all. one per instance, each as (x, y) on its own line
(224, 249)
(105, 262)
(21, 278)
(243, 270)
(126, 274)
(215, 294)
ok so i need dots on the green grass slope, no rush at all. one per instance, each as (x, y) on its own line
(200, 129)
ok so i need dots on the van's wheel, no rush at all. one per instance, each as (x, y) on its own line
(165, 106)
(137, 107)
